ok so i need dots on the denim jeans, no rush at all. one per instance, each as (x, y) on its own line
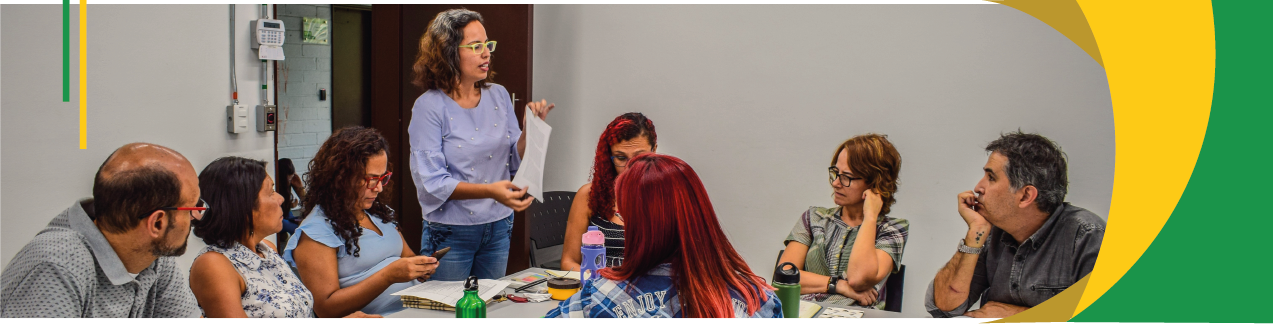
(479, 250)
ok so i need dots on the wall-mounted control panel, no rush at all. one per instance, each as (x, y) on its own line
(266, 118)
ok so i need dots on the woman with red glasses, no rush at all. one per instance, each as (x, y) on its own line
(348, 249)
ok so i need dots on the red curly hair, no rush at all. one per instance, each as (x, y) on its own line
(625, 127)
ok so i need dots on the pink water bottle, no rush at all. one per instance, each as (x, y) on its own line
(594, 253)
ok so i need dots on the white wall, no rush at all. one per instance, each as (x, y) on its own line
(755, 98)
(172, 94)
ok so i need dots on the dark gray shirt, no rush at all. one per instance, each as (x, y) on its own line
(1059, 254)
(70, 270)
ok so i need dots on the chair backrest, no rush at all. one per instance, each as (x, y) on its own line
(893, 290)
(547, 220)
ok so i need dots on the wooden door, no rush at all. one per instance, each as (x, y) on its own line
(396, 32)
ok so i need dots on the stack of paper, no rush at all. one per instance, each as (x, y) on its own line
(443, 295)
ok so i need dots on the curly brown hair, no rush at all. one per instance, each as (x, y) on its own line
(334, 181)
(873, 157)
(437, 64)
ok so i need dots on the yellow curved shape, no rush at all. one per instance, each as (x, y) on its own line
(1065, 17)
(1160, 62)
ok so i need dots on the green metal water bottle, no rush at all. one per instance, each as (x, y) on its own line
(471, 305)
(787, 281)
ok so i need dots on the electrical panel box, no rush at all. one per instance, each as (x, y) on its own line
(237, 118)
(266, 118)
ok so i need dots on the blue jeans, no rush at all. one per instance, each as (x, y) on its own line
(479, 250)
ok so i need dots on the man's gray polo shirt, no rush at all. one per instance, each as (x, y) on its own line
(1056, 256)
(70, 270)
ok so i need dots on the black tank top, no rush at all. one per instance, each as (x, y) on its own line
(614, 240)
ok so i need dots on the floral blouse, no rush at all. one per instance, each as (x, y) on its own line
(273, 290)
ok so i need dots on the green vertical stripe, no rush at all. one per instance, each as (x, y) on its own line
(66, 50)
(1211, 261)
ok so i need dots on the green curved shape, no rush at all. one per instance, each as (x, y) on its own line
(1211, 261)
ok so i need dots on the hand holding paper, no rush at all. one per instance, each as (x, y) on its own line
(530, 175)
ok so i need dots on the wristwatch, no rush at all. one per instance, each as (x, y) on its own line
(831, 283)
(968, 249)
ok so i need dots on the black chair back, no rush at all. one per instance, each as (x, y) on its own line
(893, 290)
(547, 220)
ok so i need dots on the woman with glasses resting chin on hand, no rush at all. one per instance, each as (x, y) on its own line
(228, 278)
(348, 249)
(862, 243)
(465, 147)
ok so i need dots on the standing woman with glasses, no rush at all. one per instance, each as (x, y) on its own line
(846, 252)
(627, 136)
(465, 147)
(348, 250)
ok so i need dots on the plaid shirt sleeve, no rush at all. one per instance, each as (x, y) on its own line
(891, 238)
(801, 232)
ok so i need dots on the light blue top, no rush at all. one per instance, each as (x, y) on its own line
(375, 252)
(450, 144)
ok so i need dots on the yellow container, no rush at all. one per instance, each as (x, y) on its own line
(563, 288)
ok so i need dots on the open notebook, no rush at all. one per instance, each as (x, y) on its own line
(811, 310)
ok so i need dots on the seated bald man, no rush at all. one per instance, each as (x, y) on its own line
(112, 255)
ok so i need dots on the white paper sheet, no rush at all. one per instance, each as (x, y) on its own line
(270, 52)
(530, 174)
(450, 292)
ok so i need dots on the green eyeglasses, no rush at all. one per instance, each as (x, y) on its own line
(477, 48)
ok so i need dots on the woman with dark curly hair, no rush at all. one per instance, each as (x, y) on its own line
(627, 136)
(348, 249)
(465, 147)
(846, 252)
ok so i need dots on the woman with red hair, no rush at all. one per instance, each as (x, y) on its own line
(626, 137)
(678, 262)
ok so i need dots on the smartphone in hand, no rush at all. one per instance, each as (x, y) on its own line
(441, 252)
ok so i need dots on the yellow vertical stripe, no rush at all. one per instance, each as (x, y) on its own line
(83, 74)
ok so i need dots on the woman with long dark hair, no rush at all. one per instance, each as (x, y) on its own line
(348, 249)
(678, 261)
(626, 137)
(465, 147)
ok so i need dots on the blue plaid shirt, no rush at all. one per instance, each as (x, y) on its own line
(650, 296)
